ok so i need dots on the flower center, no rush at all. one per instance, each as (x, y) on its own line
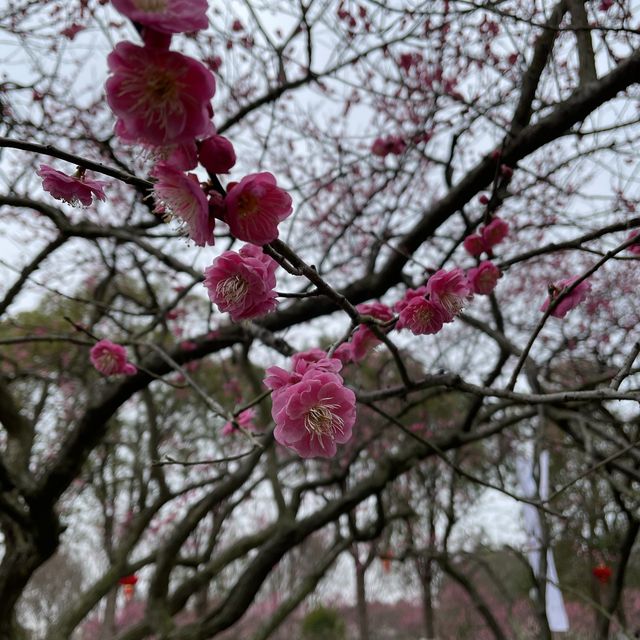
(321, 421)
(248, 205)
(151, 6)
(161, 86)
(155, 92)
(108, 361)
(233, 289)
(452, 303)
(423, 317)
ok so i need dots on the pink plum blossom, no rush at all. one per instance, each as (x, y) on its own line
(216, 154)
(166, 16)
(110, 359)
(255, 206)
(313, 414)
(394, 145)
(243, 283)
(180, 195)
(421, 316)
(245, 420)
(344, 353)
(364, 339)
(569, 300)
(487, 237)
(159, 97)
(72, 189)
(450, 290)
(484, 278)
(495, 232)
(182, 156)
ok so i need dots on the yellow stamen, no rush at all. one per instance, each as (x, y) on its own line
(232, 290)
(248, 205)
(320, 421)
(151, 6)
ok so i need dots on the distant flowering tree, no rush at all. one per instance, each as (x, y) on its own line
(362, 238)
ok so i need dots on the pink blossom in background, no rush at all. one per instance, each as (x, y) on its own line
(110, 359)
(450, 290)
(487, 237)
(159, 97)
(243, 283)
(344, 353)
(474, 244)
(217, 154)
(421, 316)
(166, 16)
(254, 208)
(394, 145)
(568, 301)
(484, 278)
(364, 339)
(495, 232)
(635, 247)
(314, 414)
(180, 195)
(72, 30)
(245, 420)
(71, 189)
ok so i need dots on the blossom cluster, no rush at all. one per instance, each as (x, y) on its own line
(162, 101)
(312, 408)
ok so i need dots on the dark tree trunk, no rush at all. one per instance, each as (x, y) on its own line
(361, 593)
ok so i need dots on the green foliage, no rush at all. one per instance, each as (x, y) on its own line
(323, 624)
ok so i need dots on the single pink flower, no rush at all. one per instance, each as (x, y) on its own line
(110, 359)
(421, 316)
(379, 148)
(72, 189)
(72, 30)
(569, 300)
(254, 208)
(159, 97)
(495, 232)
(166, 16)
(449, 289)
(180, 195)
(314, 414)
(243, 283)
(635, 247)
(484, 278)
(364, 339)
(216, 154)
(344, 353)
(245, 420)
(474, 244)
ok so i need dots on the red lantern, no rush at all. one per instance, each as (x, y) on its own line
(128, 585)
(602, 573)
(386, 561)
